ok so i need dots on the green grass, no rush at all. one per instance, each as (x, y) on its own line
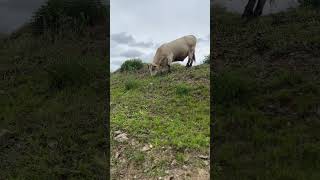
(182, 89)
(51, 100)
(131, 84)
(168, 111)
(266, 87)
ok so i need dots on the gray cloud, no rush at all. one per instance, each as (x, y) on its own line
(124, 38)
(131, 53)
(142, 44)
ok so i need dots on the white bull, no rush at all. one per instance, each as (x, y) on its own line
(173, 51)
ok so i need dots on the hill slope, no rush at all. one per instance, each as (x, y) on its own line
(51, 107)
(267, 92)
(171, 113)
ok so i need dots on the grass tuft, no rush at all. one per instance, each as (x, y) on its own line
(131, 84)
(182, 89)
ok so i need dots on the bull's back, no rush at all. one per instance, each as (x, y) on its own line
(180, 47)
(189, 41)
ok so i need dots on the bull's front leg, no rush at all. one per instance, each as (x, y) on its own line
(190, 59)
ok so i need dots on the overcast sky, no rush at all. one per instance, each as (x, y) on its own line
(139, 27)
(14, 13)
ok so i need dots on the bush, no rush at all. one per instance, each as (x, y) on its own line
(131, 65)
(56, 15)
(206, 59)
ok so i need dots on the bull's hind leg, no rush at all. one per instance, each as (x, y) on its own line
(190, 58)
(188, 64)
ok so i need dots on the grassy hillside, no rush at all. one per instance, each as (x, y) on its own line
(52, 107)
(267, 96)
(170, 112)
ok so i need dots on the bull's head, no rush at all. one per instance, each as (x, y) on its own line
(153, 68)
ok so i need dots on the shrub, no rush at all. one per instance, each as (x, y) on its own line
(206, 59)
(56, 15)
(131, 65)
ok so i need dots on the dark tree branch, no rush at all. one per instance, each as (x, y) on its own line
(253, 10)
(259, 8)
(248, 11)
